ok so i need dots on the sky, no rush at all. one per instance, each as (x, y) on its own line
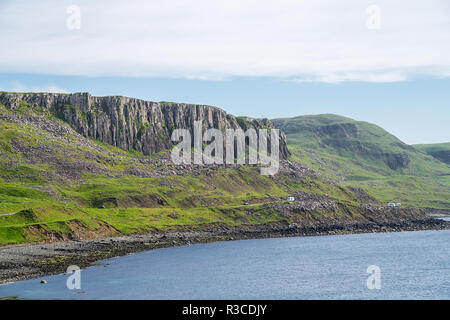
(385, 62)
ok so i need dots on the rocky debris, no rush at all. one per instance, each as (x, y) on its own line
(296, 170)
(305, 202)
(70, 155)
(58, 130)
(130, 123)
(363, 196)
(303, 196)
(372, 207)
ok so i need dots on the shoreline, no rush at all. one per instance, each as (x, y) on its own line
(27, 261)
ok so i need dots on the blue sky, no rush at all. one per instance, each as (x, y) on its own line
(416, 111)
(386, 62)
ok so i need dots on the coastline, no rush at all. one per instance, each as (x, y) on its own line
(27, 261)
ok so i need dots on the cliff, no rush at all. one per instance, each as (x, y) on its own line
(56, 184)
(130, 123)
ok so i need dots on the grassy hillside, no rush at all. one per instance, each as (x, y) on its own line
(440, 151)
(54, 184)
(362, 154)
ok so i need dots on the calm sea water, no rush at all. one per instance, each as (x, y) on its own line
(413, 265)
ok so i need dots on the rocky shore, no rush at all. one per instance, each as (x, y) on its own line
(20, 262)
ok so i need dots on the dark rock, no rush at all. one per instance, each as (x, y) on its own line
(130, 123)
(397, 161)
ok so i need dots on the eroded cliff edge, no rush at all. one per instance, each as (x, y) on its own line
(130, 123)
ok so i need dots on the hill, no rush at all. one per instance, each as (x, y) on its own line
(72, 171)
(361, 154)
(440, 151)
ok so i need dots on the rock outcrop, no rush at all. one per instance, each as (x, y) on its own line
(397, 160)
(441, 155)
(130, 123)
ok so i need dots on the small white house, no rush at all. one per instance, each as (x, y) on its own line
(393, 205)
(290, 199)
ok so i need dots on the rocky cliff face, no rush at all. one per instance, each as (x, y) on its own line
(130, 123)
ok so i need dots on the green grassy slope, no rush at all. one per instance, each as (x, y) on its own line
(440, 151)
(362, 154)
(53, 181)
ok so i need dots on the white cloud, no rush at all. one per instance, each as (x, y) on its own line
(313, 40)
(18, 87)
(366, 77)
(49, 88)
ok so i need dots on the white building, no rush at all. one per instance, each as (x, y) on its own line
(393, 205)
(290, 199)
